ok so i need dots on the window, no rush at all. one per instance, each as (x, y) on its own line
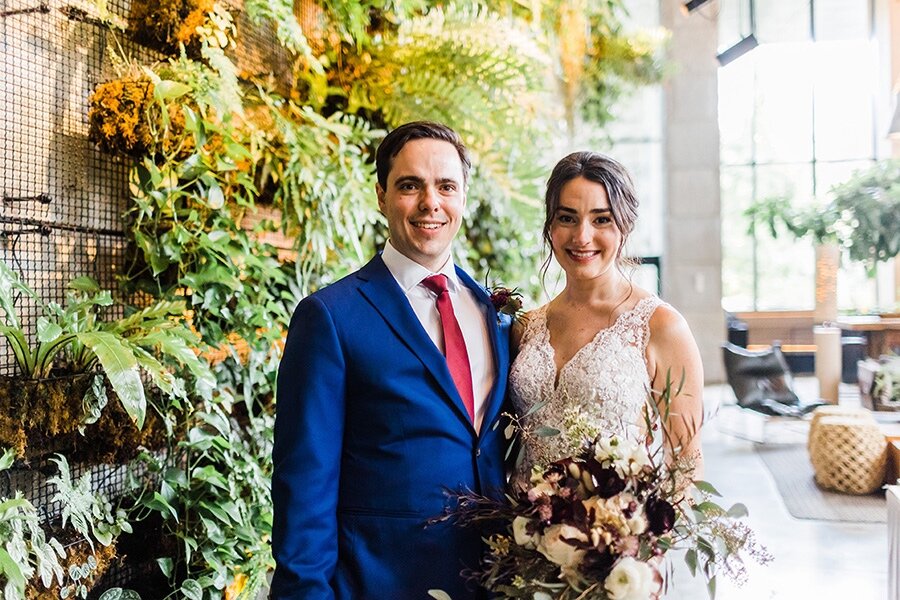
(797, 115)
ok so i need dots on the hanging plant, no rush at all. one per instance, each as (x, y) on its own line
(62, 378)
(124, 118)
(164, 24)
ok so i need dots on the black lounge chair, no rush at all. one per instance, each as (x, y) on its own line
(762, 382)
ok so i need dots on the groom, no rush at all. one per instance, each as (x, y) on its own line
(388, 394)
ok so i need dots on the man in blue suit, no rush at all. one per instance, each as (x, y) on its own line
(389, 390)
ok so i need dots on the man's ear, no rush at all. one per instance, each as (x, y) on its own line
(379, 193)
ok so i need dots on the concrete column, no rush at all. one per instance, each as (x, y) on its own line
(692, 260)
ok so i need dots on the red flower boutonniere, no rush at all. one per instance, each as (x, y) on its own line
(506, 301)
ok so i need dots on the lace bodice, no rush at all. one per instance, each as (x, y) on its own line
(604, 385)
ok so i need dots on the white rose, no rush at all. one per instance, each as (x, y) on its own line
(630, 579)
(521, 535)
(557, 550)
(637, 524)
(639, 458)
(607, 449)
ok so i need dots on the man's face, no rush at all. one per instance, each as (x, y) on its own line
(424, 200)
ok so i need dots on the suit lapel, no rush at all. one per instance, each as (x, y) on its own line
(499, 346)
(381, 290)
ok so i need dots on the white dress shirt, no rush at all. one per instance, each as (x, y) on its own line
(471, 314)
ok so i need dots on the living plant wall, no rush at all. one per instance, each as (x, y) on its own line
(242, 139)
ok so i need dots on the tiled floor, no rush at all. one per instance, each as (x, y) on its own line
(818, 560)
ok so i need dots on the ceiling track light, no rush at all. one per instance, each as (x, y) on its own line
(692, 5)
(738, 50)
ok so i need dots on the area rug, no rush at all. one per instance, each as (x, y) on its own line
(793, 473)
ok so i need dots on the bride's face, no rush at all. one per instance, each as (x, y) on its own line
(584, 237)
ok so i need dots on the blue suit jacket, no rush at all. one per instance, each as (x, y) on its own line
(369, 430)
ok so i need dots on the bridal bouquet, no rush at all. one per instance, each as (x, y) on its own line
(595, 526)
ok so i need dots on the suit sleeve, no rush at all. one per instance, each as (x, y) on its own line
(309, 428)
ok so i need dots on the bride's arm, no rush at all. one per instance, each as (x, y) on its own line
(672, 350)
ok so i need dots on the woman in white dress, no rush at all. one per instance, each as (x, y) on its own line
(593, 352)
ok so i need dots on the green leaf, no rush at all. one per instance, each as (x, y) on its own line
(690, 559)
(84, 284)
(737, 511)
(708, 508)
(121, 369)
(192, 590)
(21, 349)
(8, 458)
(12, 571)
(546, 431)
(711, 587)
(705, 486)
(215, 197)
(47, 330)
(169, 90)
(166, 565)
(159, 504)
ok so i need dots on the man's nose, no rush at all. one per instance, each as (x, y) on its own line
(428, 201)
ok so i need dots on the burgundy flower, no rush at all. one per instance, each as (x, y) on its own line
(598, 563)
(660, 515)
(606, 481)
(506, 301)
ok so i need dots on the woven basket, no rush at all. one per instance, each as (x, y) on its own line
(834, 410)
(849, 454)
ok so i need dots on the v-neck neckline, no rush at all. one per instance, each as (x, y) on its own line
(558, 370)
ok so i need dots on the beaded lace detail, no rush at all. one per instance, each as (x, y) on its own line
(605, 384)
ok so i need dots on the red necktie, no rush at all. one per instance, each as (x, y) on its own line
(454, 344)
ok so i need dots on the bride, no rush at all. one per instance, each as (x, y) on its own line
(592, 353)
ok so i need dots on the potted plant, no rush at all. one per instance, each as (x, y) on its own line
(61, 383)
(861, 216)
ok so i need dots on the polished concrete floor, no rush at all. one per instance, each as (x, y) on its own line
(819, 560)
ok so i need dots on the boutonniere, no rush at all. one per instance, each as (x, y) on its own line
(506, 301)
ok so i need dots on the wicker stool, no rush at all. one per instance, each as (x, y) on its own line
(834, 410)
(849, 454)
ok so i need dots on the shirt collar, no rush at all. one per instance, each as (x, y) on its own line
(409, 273)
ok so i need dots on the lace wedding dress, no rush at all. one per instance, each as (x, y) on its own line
(604, 385)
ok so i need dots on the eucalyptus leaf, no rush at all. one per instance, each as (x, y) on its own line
(705, 486)
(737, 511)
(545, 431)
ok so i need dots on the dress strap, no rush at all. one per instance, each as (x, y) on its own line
(641, 314)
(535, 322)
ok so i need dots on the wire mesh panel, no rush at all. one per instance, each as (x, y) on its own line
(63, 202)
